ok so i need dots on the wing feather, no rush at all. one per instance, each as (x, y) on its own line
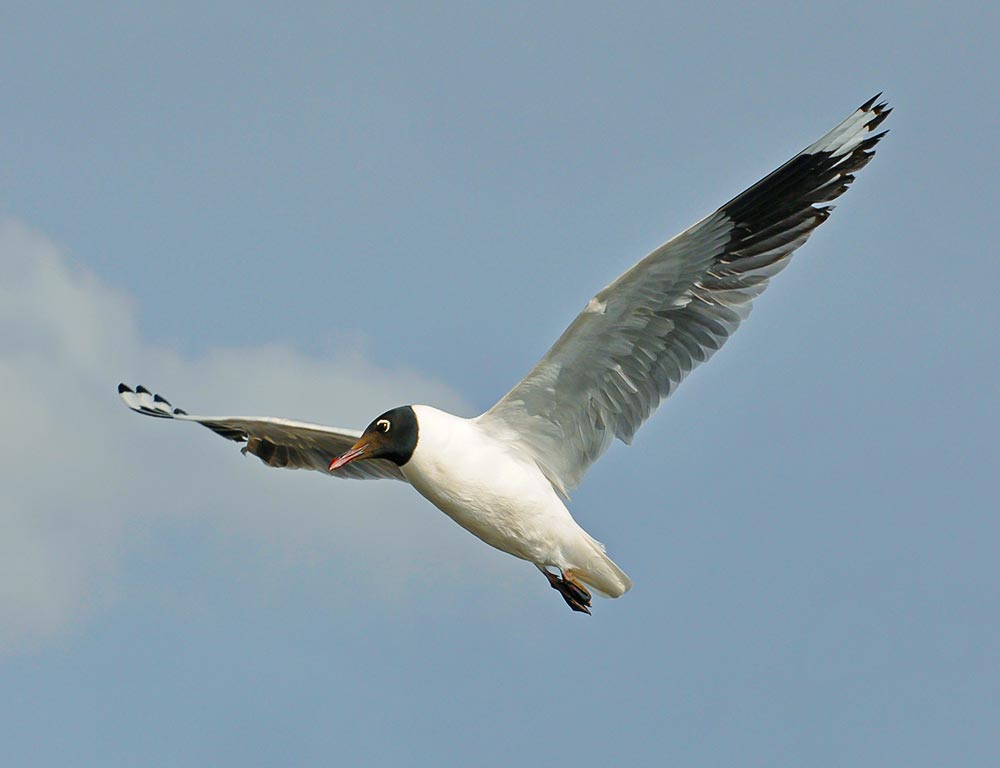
(638, 338)
(276, 442)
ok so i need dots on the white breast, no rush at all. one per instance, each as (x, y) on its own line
(487, 488)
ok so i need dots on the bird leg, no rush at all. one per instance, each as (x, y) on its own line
(575, 594)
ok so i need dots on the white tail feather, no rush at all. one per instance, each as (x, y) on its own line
(603, 574)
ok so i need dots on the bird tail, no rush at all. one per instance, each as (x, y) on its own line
(603, 574)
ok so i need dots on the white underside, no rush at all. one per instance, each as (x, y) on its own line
(504, 499)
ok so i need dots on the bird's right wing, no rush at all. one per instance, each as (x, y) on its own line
(276, 442)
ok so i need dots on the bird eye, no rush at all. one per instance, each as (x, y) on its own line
(382, 425)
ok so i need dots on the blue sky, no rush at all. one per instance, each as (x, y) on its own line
(323, 212)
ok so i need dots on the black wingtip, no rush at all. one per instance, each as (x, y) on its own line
(122, 389)
(179, 412)
(142, 390)
(876, 121)
(159, 399)
(871, 102)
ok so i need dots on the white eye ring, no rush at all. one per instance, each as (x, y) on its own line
(382, 425)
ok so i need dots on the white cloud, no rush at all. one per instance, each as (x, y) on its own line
(82, 475)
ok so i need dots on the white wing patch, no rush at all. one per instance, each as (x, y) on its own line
(596, 306)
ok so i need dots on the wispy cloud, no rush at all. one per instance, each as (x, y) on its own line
(81, 474)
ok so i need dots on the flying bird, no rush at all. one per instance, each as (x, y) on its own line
(505, 475)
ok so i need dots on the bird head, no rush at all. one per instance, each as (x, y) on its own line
(392, 436)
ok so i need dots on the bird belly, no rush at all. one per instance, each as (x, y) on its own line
(506, 502)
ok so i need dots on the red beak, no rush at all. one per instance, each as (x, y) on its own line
(356, 452)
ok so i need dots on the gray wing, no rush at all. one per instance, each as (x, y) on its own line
(276, 442)
(638, 338)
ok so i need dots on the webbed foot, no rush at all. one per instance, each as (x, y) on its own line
(574, 593)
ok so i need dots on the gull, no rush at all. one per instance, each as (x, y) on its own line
(506, 474)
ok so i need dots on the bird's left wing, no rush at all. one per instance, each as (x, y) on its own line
(276, 442)
(638, 338)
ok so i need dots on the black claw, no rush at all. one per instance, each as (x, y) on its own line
(578, 607)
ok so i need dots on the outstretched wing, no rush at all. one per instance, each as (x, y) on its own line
(638, 338)
(276, 442)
